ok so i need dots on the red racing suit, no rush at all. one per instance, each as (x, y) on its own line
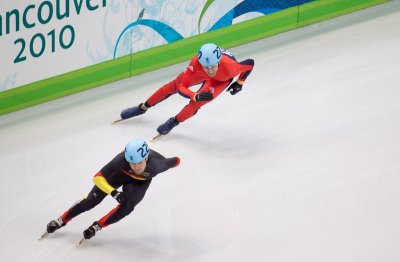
(194, 74)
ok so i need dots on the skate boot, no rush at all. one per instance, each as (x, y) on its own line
(54, 225)
(132, 111)
(167, 126)
(91, 231)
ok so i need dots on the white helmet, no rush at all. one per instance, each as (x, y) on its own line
(209, 55)
(136, 151)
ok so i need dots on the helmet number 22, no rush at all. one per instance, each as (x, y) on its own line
(143, 150)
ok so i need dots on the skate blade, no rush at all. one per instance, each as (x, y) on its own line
(44, 235)
(157, 137)
(81, 242)
(116, 121)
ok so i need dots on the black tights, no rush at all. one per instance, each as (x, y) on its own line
(134, 191)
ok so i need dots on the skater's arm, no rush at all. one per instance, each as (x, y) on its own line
(102, 178)
(101, 182)
(168, 163)
(192, 75)
(174, 161)
(186, 92)
(245, 68)
(161, 163)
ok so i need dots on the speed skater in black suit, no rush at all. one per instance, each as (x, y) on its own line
(133, 170)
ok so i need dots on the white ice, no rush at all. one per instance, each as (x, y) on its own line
(302, 165)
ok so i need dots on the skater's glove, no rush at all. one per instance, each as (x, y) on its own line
(119, 196)
(203, 96)
(234, 88)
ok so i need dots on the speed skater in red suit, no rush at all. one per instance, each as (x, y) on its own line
(213, 68)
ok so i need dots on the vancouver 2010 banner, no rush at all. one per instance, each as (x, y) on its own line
(45, 38)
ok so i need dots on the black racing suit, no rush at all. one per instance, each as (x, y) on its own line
(118, 173)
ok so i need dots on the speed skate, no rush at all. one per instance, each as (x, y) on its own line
(156, 137)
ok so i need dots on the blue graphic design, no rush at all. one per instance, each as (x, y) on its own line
(170, 35)
(167, 32)
(247, 6)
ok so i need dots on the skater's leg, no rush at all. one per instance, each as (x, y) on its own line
(94, 197)
(135, 192)
(191, 109)
(161, 94)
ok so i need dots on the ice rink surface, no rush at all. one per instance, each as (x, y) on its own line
(302, 165)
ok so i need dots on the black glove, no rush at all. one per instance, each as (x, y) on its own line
(119, 196)
(234, 88)
(203, 96)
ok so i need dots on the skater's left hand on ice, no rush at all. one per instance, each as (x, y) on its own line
(234, 88)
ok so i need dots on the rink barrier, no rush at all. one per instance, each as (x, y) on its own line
(179, 51)
(326, 9)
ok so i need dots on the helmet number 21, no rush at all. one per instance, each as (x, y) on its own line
(217, 52)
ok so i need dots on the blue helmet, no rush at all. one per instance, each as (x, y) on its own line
(136, 151)
(209, 54)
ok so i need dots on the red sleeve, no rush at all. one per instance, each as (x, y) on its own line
(99, 174)
(178, 161)
(230, 68)
(193, 74)
(246, 67)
